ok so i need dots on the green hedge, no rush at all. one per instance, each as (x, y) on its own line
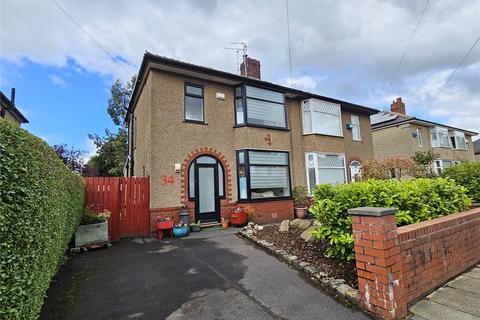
(466, 174)
(416, 200)
(40, 206)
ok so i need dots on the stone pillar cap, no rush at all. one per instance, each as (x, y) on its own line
(372, 211)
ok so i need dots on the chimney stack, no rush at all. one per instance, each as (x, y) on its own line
(398, 106)
(252, 68)
(12, 96)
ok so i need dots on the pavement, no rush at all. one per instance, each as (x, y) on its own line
(458, 299)
(208, 275)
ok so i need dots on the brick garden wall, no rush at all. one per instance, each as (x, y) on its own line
(270, 211)
(435, 251)
(396, 266)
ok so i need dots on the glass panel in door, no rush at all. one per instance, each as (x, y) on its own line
(206, 189)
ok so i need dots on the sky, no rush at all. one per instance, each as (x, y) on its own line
(346, 49)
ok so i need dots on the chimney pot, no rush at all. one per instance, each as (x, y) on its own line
(398, 106)
(253, 68)
(12, 96)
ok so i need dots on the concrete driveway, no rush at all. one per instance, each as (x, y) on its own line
(209, 275)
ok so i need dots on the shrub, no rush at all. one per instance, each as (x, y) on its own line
(40, 206)
(300, 196)
(90, 217)
(416, 200)
(466, 174)
(391, 168)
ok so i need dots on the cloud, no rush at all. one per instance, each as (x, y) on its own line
(303, 82)
(344, 49)
(91, 150)
(57, 80)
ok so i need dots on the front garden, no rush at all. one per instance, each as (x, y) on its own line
(326, 242)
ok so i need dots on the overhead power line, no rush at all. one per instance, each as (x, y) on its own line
(450, 77)
(408, 45)
(89, 35)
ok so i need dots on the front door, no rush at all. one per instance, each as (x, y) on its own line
(206, 187)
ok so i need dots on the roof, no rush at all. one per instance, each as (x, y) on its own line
(171, 65)
(10, 107)
(476, 146)
(387, 118)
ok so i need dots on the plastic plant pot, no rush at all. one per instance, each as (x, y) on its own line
(239, 218)
(164, 225)
(180, 232)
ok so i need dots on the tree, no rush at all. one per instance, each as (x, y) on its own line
(391, 168)
(73, 158)
(112, 148)
(425, 159)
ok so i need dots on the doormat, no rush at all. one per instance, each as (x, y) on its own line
(214, 228)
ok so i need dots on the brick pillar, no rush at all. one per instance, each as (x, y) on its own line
(379, 261)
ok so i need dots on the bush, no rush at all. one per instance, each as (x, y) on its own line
(416, 200)
(391, 168)
(466, 174)
(40, 206)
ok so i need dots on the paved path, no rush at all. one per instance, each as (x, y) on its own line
(213, 275)
(458, 299)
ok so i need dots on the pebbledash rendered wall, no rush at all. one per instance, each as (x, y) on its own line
(164, 139)
(397, 266)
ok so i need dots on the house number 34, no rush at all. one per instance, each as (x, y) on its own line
(168, 180)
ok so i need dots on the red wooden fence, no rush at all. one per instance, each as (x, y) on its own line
(127, 198)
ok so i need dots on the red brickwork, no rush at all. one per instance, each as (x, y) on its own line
(270, 211)
(396, 266)
(437, 250)
(379, 262)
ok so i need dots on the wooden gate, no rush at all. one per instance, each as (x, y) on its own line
(127, 198)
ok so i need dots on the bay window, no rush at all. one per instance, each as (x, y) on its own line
(259, 107)
(322, 117)
(263, 174)
(439, 137)
(324, 168)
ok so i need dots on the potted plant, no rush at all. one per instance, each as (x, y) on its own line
(225, 222)
(300, 199)
(195, 226)
(239, 217)
(164, 223)
(180, 229)
(93, 228)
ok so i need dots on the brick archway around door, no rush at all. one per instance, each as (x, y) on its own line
(226, 204)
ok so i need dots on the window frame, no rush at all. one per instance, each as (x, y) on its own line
(313, 131)
(315, 161)
(246, 164)
(435, 130)
(354, 125)
(185, 95)
(244, 97)
(419, 132)
(350, 169)
(456, 135)
(220, 187)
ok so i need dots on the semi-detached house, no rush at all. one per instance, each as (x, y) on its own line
(397, 134)
(210, 140)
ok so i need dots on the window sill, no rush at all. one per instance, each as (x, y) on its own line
(260, 126)
(324, 134)
(195, 122)
(264, 199)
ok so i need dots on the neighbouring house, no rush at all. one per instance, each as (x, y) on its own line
(397, 134)
(8, 111)
(476, 149)
(209, 139)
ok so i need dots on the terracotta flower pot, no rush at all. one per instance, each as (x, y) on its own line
(224, 224)
(301, 213)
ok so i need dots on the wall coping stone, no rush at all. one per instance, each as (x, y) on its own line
(372, 211)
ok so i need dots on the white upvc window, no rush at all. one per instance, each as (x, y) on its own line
(439, 137)
(324, 168)
(419, 137)
(458, 140)
(440, 165)
(321, 117)
(355, 123)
